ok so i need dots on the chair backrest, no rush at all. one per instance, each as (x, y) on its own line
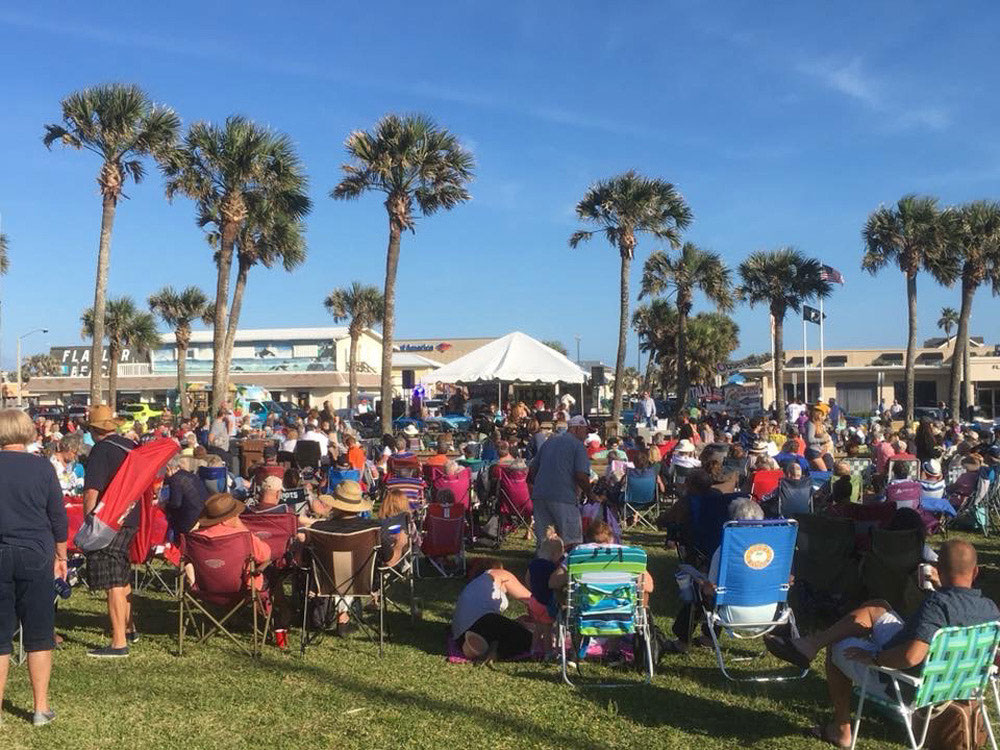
(764, 481)
(412, 488)
(819, 478)
(216, 478)
(343, 563)
(263, 472)
(857, 484)
(444, 529)
(794, 499)
(859, 465)
(755, 562)
(825, 554)
(306, 453)
(219, 562)
(400, 466)
(603, 590)
(912, 466)
(709, 513)
(336, 476)
(275, 529)
(959, 663)
(513, 488)
(640, 487)
(905, 493)
(460, 485)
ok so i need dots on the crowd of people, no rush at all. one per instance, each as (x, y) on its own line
(571, 466)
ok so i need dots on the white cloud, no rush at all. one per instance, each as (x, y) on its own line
(852, 79)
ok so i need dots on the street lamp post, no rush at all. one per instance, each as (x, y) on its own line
(577, 337)
(19, 339)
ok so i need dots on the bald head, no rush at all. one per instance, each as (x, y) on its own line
(957, 563)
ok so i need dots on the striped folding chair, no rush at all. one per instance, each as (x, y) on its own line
(604, 599)
(959, 666)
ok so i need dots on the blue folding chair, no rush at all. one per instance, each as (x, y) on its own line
(336, 476)
(641, 498)
(604, 599)
(708, 515)
(754, 565)
(819, 479)
(216, 478)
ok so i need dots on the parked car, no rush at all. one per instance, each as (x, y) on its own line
(932, 413)
(138, 413)
(54, 412)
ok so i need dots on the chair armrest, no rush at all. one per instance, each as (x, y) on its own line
(898, 674)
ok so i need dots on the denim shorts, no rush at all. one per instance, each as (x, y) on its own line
(27, 596)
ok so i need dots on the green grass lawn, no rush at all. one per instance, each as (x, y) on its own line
(343, 696)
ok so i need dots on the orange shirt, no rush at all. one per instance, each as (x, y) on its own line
(356, 457)
(260, 551)
(438, 459)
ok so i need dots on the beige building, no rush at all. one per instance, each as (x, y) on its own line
(861, 378)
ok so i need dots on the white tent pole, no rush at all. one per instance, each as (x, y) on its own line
(583, 412)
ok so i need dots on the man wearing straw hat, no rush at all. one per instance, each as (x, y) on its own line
(110, 569)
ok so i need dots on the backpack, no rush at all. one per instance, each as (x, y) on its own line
(956, 725)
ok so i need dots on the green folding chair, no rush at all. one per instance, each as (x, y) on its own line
(959, 666)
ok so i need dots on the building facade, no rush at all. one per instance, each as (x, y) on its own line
(305, 365)
(860, 379)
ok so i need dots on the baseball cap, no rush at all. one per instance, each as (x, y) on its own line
(577, 421)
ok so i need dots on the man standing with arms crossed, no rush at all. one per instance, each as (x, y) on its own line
(559, 471)
(109, 569)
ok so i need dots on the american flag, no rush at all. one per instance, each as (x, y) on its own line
(829, 273)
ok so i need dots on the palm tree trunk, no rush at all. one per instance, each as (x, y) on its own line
(616, 405)
(182, 347)
(647, 379)
(961, 344)
(113, 357)
(352, 394)
(779, 363)
(970, 395)
(911, 343)
(234, 312)
(683, 378)
(100, 299)
(389, 316)
(220, 368)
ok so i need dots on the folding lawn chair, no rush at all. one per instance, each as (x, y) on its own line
(400, 575)
(216, 478)
(973, 513)
(307, 455)
(959, 667)
(514, 503)
(641, 498)
(342, 572)
(160, 561)
(755, 563)
(275, 529)
(890, 564)
(764, 482)
(820, 478)
(827, 580)
(336, 476)
(604, 599)
(223, 573)
(794, 500)
(414, 489)
(460, 486)
(862, 466)
(954, 471)
(708, 515)
(443, 542)
(403, 466)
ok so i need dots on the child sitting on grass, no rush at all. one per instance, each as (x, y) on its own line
(540, 571)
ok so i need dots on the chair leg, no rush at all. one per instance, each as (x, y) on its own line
(381, 623)
(986, 719)
(305, 617)
(861, 707)
(181, 627)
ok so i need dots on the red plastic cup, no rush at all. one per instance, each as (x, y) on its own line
(281, 639)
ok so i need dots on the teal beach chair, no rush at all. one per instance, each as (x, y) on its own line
(603, 600)
(959, 666)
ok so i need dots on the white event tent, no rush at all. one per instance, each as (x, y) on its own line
(514, 358)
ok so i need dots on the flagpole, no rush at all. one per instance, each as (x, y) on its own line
(822, 380)
(805, 361)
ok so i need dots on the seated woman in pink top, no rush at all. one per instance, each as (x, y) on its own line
(221, 517)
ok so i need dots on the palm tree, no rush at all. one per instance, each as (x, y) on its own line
(418, 166)
(783, 279)
(622, 207)
(4, 260)
(948, 320)
(243, 178)
(713, 337)
(557, 346)
(976, 245)
(913, 235)
(363, 305)
(178, 310)
(694, 270)
(126, 327)
(120, 124)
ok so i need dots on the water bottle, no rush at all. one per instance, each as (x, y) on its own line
(62, 588)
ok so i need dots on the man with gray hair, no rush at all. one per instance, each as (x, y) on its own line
(183, 497)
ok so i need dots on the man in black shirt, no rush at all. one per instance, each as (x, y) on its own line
(186, 496)
(109, 569)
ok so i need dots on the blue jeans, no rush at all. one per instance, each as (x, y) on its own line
(651, 422)
(27, 595)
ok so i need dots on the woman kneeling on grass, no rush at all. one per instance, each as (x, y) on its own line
(477, 625)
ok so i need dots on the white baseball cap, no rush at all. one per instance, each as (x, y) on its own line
(577, 421)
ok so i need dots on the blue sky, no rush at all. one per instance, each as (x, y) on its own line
(781, 123)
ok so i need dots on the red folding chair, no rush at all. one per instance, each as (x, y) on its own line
(223, 573)
(443, 544)
(459, 484)
(513, 499)
(763, 482)
(276, 530)
(161, 558)
(403, 466)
